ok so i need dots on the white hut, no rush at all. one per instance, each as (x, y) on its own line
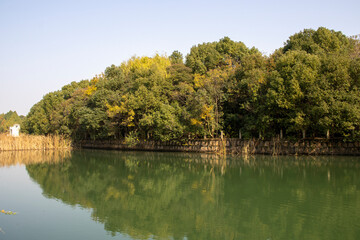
(15, 130)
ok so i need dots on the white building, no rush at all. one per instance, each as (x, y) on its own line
(15, 130)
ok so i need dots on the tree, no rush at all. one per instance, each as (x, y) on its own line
(243, 96)
(292, 91)
(9, 119)
(176, 57)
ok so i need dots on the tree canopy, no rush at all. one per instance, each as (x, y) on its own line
(307, 88)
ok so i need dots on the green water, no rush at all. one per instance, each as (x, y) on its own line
(145, 195)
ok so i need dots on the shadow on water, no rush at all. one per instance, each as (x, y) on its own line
(198, 196)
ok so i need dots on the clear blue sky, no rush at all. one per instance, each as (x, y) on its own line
(47, 44)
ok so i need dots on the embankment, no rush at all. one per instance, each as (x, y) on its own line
(236, 146)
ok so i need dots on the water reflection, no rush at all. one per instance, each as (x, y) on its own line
(9, 158)
(193, 196)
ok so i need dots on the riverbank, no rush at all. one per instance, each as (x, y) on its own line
(235, 146)
(33, 142)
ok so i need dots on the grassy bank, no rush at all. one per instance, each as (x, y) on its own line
(31, 142)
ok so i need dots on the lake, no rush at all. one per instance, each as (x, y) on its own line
(151, 195)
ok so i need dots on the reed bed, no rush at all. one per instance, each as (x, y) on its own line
(32, 142)
(10, 158)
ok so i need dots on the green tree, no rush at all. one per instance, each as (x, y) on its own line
(9, 119)
(292, 90)
(176, 57)
(244, 96)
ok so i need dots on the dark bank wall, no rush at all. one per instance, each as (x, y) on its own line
(235, 146)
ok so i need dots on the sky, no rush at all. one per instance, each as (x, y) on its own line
(45, 45)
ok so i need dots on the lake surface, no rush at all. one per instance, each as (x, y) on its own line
(147, 195)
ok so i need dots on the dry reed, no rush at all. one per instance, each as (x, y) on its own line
(32, 142)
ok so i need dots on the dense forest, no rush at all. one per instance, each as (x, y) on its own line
(308, 88)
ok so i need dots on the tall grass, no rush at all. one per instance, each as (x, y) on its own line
(31, 142)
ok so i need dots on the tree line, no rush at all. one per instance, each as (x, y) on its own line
(310, 87)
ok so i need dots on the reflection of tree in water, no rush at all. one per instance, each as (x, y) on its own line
(206, 197)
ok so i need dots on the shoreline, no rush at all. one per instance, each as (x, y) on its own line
(234, 146)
